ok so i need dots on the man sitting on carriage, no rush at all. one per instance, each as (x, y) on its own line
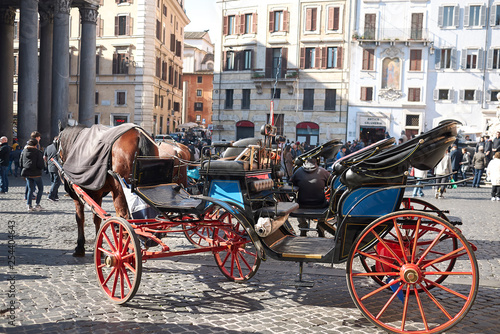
(311, 180)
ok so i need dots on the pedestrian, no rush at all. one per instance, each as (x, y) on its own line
(55, 180)
(443, 169)
(341, 153)
(493, 172)
(465, 165)
(419, 175)
(479, 163)
(480, 143)
(496, 143)
(4, 164)
(31, 162)
(456, 159)
(403, 136)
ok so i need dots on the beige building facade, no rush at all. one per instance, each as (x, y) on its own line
(288, 56)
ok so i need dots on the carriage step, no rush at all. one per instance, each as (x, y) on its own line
(303, 248)
(454, 220)
(309, 213)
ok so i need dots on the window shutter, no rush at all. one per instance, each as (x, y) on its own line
(252, 62)
(493, 13)
(451, 95)
(466, 16)
(117, 25)
(269, 62)
(317, 58)
(464, 59)
(309, 19)
(363, 93)
(330, 18)
(411, 94)
(236, 28)
(115, 63)
(243, 21)
(340, 56)
(454, 62)
(482, 20)
(302, 58)
(461, 95)
(440, 16)
(336, 18)
(239, 60)
(324, 57)
(477, 95)
(437, 58)
(365, 65)
(271, 21)
(435, 95)
(284, 61)
(489, 61)
(286, 20)
(254, 23)
(130, 25)
(488, 96)
(480, 59)
(456, 11)
(226, 20)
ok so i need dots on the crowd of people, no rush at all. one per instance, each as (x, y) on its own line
(30, 162)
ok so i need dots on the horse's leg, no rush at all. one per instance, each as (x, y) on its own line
(119, 200)
(97, 219)
(80, 221)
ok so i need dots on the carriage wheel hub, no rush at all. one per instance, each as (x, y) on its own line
(110, 261)
(411, 274)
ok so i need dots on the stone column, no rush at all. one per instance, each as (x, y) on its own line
(27, 112)
(45, 80)
(87, 65)
(60, 66)
(7, 17)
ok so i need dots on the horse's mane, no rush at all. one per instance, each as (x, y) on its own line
(146, 146)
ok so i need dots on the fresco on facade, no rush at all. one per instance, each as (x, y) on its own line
(391, 69)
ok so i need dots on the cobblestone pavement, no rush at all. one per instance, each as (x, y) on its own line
(57, 293)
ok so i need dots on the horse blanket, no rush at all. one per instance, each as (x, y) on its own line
(87, 160)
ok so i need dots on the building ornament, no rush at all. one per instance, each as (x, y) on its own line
(62, 6)
(7, 16)
(46, 15)
(392, 52)
(89, 14)
(390, 94)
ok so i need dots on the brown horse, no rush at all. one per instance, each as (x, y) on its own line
(123, 151)
(182, 156)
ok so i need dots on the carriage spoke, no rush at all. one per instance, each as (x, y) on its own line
(446, 289)
(113, 249)
(238, 265)
(122, 287)
(129, 266)
(438, 304)
(386, 305)
(373, 273)
(400, 240)
(421, 309)
(105, 251)
(433, 243)
(383, 243)
(378, 259)
(115, 237)
(405, 308)
(125, 247)
(115, 281)
(120, 239)
(415, 240)
(444, 257)
(382, 288)
(109, 276)
(245, 261)
(124, 273)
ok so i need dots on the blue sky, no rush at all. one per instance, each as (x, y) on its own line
(203, 16)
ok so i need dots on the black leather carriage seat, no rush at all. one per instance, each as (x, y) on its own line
(281, 209)
(455, 220)
(310, 213)
(226, 165)
(168, 196)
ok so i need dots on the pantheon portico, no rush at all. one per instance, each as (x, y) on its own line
(43, 55)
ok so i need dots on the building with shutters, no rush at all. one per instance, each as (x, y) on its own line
(286, 58)
(138, 72)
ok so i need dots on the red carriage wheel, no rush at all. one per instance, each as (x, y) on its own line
(412, 262)
(199, 236)
(421, 205)
(239, 260)
(117, 259)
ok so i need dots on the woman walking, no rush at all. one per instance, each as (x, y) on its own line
(32, 165)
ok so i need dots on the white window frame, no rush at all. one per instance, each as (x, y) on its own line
(456, 16)
(341, 19)
(116, 98)
(489, 62)
(248, 23)
(199, 92)
(495, 10)
(481, 16)
(414, 127)
(318, 20)
(476, 99)
(488, 95)
(478, 52)
(98, 115)
(438, 60)
(451, 95)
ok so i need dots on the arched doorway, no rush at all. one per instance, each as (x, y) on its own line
(245, 129)
(308, 132)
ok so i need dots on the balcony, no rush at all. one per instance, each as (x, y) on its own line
(289, 78)
(392, 36)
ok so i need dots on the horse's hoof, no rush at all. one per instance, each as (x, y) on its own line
(79, 253)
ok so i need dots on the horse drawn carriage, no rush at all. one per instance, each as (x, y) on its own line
(408, 267)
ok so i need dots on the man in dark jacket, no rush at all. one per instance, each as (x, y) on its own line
(488, 146)
(55, 181)
(311, 181)
(496, 143)
(456, 159)
(4, 164)
(32, 165)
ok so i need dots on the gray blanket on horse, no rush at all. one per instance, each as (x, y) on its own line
(86, 163)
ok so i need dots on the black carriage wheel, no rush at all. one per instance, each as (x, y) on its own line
(118, 260)
(410, 265)
(239, 260)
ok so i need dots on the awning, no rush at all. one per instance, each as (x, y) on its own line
(245, 124)
(308, 125)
